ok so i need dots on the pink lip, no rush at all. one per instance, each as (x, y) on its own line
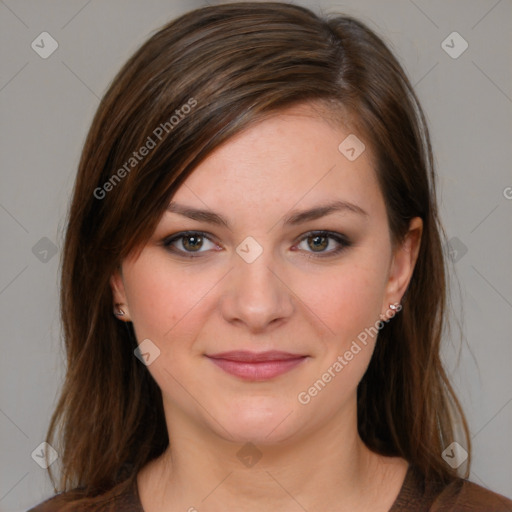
(256, 366)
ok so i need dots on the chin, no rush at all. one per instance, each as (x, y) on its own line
(261, 420)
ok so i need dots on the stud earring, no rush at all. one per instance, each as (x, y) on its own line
(118, 311)
(396, 306)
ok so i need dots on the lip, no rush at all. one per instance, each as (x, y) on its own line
(256, 366)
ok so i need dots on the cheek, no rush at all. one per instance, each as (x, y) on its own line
(162, 301)
(348, 299)
(349, 303)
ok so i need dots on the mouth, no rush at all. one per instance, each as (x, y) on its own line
(256, 366)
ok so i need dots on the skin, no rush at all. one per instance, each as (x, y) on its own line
(288, 299)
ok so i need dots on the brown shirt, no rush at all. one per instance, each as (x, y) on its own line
(414, 496)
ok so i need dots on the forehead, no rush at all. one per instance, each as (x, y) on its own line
(292, 156)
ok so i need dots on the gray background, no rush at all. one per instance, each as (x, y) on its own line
(48, 104)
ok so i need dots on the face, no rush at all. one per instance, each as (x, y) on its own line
(259, 284)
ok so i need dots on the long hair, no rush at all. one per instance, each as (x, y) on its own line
(195, 83)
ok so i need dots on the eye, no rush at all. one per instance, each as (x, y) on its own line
(191, 244)
(188, 243)
(324, 243)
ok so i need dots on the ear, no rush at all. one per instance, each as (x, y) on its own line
(119, 294)
(402, 264)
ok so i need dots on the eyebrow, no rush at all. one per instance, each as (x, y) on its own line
(293, 219)
(321, 211)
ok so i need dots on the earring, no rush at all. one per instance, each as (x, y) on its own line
(118, 311)
(395, 306)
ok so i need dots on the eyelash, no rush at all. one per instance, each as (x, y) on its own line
(339, 238)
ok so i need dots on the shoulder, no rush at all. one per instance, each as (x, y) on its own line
(421, 495)
(466, 496)
(50, 505)
(58, 503)
(123, 498)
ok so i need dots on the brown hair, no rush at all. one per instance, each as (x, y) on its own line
(232, 65)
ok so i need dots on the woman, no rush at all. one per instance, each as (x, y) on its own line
(253, 284)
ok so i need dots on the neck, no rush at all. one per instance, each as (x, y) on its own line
(204, 471)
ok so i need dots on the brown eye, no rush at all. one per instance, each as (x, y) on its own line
(324, 243)
(318, 243)
(192, 242)
(189, 244)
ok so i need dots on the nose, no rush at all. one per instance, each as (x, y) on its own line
(256, 295)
